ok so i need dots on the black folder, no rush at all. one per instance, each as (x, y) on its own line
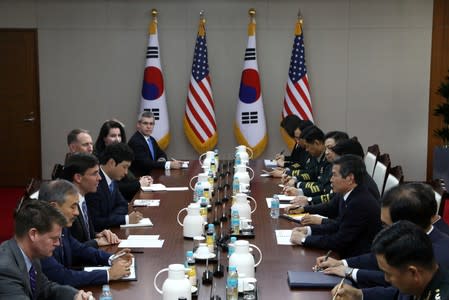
(319, 280)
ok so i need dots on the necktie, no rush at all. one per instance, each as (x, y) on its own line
(32, 273)
(85, 217)
(150, 145)
(111, 187)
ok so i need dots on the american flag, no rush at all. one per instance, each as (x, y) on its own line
(199, 119)
(297, 91)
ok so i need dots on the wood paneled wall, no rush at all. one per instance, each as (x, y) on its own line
(439, 70)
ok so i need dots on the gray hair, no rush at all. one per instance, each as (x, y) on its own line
(57, 191)
(145, 114)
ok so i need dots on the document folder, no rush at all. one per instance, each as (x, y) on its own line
(298, 279)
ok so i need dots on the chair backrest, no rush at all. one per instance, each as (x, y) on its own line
(374, 149)
(397, 172)
(438, 197)
(370, 162)
(380, 171)
(395, 177)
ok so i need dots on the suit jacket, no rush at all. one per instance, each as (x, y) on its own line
(106, 209)
(442, 226)
(370, 275)
(79, 230)
(143, 161)
(129, 186)
(57, 267)
(357, 223)
(14, 278)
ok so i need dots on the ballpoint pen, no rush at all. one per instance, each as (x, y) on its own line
(318, 268)
(338, 288)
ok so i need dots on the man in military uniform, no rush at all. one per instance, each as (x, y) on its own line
(405, 253)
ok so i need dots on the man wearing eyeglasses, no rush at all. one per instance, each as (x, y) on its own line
(148, 154)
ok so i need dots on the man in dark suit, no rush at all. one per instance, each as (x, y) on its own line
(406, 255)
(64, 196)
(358, 218)
(148, 154)
(107, 207)
(83, 171)
(414, 202)
(38, 227)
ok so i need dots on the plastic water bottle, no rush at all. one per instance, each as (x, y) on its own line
(235, 221)
(217, 160)
(238, 160)
(106, 294)
(190, 267)
(274, 212)
(210, 237)
(231, 246)
(235, 185)
(232, 291)
(203, 207)
(198, 191)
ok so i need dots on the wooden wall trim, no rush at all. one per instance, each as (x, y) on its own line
(439, 67)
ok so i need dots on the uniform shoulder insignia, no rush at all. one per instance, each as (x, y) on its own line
(437, 295)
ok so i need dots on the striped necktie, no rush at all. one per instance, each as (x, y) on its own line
(150, 145)
(85, 217)
(32, 273)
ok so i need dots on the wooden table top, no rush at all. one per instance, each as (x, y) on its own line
(271, 273)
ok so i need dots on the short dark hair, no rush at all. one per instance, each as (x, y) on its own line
(37, 214)
(311, 134)
(72, 136)
(57, 191)
(404, 243)
(104, 131)
(118, 152)
(290, 123)
(351, 164)
(349, 146)
(414, 202)
(78, 163)
(338, 136)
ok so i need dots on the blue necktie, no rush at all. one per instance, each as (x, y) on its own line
(32, 273)
(85, 217)
(150, 145)
(112, 187)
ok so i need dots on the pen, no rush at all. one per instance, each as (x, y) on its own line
(338, 288)
(327, 255)
(115, 256)
(282, 152)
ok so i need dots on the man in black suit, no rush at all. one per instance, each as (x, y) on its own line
(414, 202)
(358, 218)
(38, 227)
(406, 255)
(107, 206)
(82, 170)
(148, 154)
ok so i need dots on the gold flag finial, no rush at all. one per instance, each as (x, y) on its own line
(252, 22)
(154, 13)
(201, 28)
(252, 12)
(299, 16)
(152, 29)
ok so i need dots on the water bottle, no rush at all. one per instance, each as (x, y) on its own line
(274, 212)
(210, 237)
(235, 185)
(231, 246)
(190, 267)
(235, 221)
(106, 294)
(238, 160)
(217, 161)
(198, 192)
(232, 291)
(203, 208)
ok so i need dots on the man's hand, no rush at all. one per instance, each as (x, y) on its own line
(120, 268)
(300, 200)
(291, 191)
(106, 237)
(135, 217)
(277, 173)
(145, 180)
(294, 209)
(339, 271)
(175, 164)
(347, 292)
(82, 295)
(311, 220)
(330, 262)
(297, 237)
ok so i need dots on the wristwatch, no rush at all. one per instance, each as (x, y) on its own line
(348, 272)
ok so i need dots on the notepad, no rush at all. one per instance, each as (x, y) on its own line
(300, 279)
(132, 276)
(159, 187)
(145, 222)
(141, 243)
(283, 236)
(146, 202)
(270, 163)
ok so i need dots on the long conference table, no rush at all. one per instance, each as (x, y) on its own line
(271, 274)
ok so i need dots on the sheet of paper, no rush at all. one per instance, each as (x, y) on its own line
(132, 276)
(141, 243)
(159, 187)
(283, 237)
(185, 165)
(265, 175)
(270, 163)
(142, 223)
(143, 237)
(146, 202)
(177, 188)
(281, 205)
